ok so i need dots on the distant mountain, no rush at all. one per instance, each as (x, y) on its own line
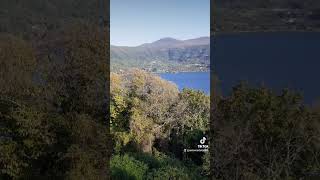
(164, 42)
(167, 54)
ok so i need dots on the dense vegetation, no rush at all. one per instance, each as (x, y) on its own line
(53, 88)
(48, 100)
(54, 111)
(255, 133)
(258, 134)
(152, 122)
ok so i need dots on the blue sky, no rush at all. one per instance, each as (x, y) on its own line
(134, 22)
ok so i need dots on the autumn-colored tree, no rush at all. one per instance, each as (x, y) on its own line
(149, 113)
(140, 105)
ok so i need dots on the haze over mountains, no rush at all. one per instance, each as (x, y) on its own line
(166, 54)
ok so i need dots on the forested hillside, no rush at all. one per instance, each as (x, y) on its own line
(53, 81)
(152, 123)
(259, 134)
(54, 113)
(166, 54)
(266, 15)
(45, 108)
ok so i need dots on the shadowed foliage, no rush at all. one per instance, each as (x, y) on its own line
(260, 135)
(47, 103)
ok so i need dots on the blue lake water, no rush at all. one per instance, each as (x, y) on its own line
(192, 80)
(277, 60)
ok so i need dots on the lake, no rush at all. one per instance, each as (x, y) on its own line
(276, 59)
(192, 80)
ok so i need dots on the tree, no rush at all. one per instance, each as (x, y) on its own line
(24, 133)
(140, 104)
(259, 134)
(17, 67)
(76, 86)
(49, 100)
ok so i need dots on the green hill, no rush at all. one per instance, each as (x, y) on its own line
(266, 15)
(166, 54)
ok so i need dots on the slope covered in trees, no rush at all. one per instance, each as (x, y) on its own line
(53, 113)
(255, 133)
(53, 81)
(166, 54)
(152, 122)
(259, 134)
(266, 15)
(48, 100)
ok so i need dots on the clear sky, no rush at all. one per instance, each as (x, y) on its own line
(134, 22)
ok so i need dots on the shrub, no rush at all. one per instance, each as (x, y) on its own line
(126, 167)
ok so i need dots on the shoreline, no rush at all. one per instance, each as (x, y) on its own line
(180, 72)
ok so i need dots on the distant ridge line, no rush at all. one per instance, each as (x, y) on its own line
(168, 39)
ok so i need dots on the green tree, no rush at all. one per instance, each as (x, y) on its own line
(17, 67)
(76, 85)
(24, 133)
(259, 134)
(53, 106)
(140, 105)
(126, 167)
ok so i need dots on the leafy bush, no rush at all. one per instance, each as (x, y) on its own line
(169, 172)
(126, 167)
